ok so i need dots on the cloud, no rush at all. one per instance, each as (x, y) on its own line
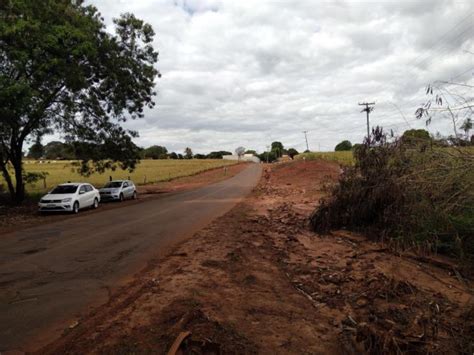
(246, 73)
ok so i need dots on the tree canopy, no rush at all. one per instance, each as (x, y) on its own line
(344, 145)
(240, 151)
(58, 150)
(36, 151)
(416, 133)
(188, 153)
(156, 152)
(218, 155)
(277, 148)
(292, 152)
(269, 157)
(61, 71)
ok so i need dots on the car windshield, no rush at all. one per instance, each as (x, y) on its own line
(64, 189)
(113, 184)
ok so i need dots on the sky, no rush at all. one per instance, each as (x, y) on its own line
(247, 72)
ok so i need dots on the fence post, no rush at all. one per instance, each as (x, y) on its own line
(144, 179)
(44, 182)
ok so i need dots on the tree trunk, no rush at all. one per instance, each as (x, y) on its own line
(17, 162)
(8, 179)
(19, 195)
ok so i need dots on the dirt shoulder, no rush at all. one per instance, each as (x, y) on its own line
(258, 280)
(15, 218)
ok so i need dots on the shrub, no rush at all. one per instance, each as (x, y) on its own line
(269, 157)
(344, 145)
(292, 152)
(413, 195)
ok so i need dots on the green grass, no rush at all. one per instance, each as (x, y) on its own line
(344, 158)
(148, 171)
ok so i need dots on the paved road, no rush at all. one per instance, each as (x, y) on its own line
(50, 274)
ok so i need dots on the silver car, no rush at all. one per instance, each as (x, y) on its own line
(118, 190)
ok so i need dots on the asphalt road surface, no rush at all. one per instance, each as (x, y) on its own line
(50, 274)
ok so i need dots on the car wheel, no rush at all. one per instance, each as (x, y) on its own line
(134, 196)
(121, 198)
(96, 203)
(75, 208)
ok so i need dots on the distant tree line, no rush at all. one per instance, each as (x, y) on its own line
(57, 150)
(277, 150)
(417, 137)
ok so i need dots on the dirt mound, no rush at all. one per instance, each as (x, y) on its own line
(202, 334)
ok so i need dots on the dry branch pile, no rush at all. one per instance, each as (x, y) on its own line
(418, 196)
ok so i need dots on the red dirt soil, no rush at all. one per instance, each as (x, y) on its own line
(259, 281)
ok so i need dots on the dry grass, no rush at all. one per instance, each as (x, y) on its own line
(147, 171)
(345, 158)
(419, 197)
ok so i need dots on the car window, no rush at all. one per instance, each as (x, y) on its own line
(89, 188)
(113, 184)
(125, 184)
(64, 189)
(82, 189)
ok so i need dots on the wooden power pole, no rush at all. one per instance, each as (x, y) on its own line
(368, 108)
(306, 137)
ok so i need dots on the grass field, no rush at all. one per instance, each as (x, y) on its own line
(344, 158)
(148, 171)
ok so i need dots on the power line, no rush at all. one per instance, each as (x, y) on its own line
(444, 44)
(464, 72)
(445, 35)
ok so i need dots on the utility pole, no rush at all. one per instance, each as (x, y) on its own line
(306, 138)
(368, 108)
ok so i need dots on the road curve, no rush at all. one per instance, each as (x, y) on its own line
(50, 274)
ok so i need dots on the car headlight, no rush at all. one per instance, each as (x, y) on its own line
(66, 199)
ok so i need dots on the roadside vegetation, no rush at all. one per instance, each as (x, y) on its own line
(345, 158)
(147, 171)
(413, 192)
(64, 72)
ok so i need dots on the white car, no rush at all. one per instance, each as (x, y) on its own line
(118, 190)
(70, 197)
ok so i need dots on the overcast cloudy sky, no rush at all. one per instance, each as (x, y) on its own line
(247, 72)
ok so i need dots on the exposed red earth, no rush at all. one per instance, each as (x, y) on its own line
(257, 280)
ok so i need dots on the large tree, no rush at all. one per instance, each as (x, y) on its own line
(188, 153)
(278, 149)
(240, 151)
(156, 152)
(342, 146)
(62, 71)
(59, 150)
(36, 151)
(292, 152)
